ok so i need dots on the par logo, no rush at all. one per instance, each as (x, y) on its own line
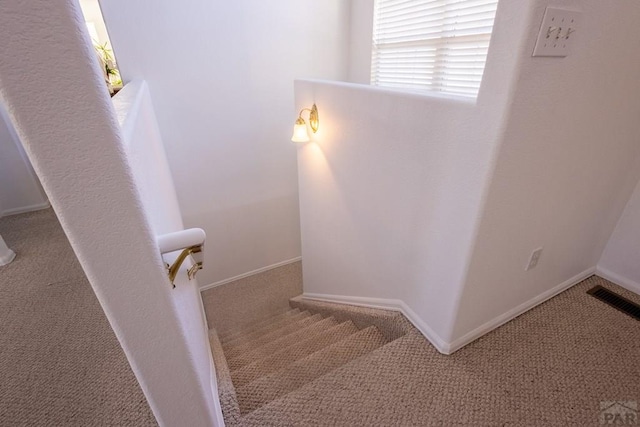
(619, 413)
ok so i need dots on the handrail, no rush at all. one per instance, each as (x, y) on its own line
(189, 242)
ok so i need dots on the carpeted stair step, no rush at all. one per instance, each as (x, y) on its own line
(288, 355)
(265, 329)
(231, 333)
(249, 345)
(226, 389)
(371, 390)
(230, 330)
(270, 387)
(271, 347)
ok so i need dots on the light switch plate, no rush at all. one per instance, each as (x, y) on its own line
(557, 32)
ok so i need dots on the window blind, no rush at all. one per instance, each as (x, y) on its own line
(437, 45)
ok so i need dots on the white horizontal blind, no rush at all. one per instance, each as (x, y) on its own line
(438, 45)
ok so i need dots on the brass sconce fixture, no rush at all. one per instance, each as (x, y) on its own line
(300, 133)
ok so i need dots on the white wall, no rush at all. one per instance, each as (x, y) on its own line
(70, 131)
(619, 262)
(360, 37)
(390, 192)
(435, 206)
(147, 158)
(20, 189)
(568, 162)
(221, 79)
(154, 183)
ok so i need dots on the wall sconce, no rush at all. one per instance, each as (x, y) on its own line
(300, 133)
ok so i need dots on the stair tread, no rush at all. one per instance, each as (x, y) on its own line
(290, 328)
(267, 329)
(271, 347)
(285, 356)
(229, 333)
(267, 388)
(234, 330)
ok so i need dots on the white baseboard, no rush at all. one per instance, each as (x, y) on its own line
(619, 280)
(250, 273)
(213, 379)
(517, 311)
(25, 209)
(387, 304)
(440, 344)
(7, 257)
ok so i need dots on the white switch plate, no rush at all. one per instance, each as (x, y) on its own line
(557, 32)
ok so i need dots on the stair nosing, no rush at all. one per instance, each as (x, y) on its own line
(255, 353)
(272, 377)
(350, 329)
(295, 327)
(224, 336)
(265, 330)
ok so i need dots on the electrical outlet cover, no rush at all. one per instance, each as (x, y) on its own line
(557, 32)
(534, 259)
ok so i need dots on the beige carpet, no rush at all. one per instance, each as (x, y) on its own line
(60, 363)
(235, 304)
(552, 366)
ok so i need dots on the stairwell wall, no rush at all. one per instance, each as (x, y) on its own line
(391, 190)
(20, 190)
(568, 163)
(220, 74)
(619, 261)
(70, 131)
(434, 206)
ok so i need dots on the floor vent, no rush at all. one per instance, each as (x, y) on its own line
(616, 301)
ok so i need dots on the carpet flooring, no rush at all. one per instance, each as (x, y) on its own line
(300, 363)
(60, 362)
(552, 366)
(262, 294)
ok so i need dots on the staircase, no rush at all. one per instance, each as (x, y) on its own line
(268, 359)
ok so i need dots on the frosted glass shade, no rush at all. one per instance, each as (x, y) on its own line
(300, 133)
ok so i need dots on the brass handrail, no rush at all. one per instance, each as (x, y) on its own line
(188, 242)
(175, 267)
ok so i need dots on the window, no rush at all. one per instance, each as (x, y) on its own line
(100, 39)
(436, 45)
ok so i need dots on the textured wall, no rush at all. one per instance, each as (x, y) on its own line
(440, 203)
(69, 129)
(20, 190)
(391, 191)
(619, 262)
(147, 158)
(221, 80)
(148, 163)
(568, 163)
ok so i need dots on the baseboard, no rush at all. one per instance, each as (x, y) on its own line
(250, 273)
(440, 344)
(520, 309)
(25, 209)
(213, 380)
(387, 304)
(7, 257)
(619, 280)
